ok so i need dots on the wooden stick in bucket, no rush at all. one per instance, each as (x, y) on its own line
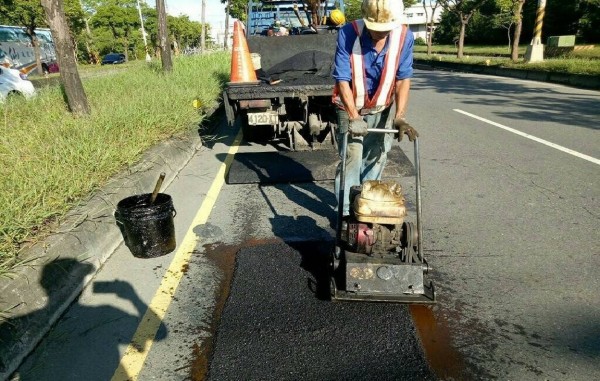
(157, 188)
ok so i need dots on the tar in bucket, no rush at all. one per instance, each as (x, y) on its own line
(147, 225)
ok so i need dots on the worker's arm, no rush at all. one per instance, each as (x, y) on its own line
(401, 97)
(342, 71)
(348, 99)
(403, 75)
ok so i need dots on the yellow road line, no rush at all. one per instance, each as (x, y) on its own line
(137, 351)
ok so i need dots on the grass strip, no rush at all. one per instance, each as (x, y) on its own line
(50, 160)
(557, 65)
(584, 51)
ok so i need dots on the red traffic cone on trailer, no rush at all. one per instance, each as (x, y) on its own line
(242, 70)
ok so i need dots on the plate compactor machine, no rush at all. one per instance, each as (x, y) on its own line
(378, 256)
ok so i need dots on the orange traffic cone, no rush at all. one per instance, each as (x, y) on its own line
(242, 70)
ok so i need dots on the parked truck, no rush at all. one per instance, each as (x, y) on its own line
(17, 52)
(291, 104)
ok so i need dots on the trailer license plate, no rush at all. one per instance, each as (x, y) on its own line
(259, 118)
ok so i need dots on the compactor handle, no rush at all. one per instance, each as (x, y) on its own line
(418, 199)
(383, 130)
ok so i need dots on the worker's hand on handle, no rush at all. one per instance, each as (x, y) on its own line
(404, 128)
(358, 127)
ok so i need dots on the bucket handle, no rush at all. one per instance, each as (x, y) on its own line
(120, 224)
(174, 212)
(116, 214)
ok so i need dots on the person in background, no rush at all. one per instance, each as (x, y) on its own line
(336, 18)
(280, 29)
(372, 69)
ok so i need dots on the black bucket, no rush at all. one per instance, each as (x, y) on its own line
(148, 230)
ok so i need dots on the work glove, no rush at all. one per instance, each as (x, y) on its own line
(358, 127)
(404, 128)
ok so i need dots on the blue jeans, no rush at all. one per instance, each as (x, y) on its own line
(366, 156)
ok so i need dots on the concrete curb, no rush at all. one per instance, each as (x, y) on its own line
(88, 235)
(583, 81)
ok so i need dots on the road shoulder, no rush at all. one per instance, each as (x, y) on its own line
(89, 235)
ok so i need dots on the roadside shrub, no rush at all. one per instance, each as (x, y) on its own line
(420, 41)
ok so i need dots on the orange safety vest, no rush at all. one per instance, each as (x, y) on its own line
(383, 96)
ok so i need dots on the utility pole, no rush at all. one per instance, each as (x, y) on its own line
(226, 34)
(535, 51)
(163, 37)
(203, 34)
(148, 59)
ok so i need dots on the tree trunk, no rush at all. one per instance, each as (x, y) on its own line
(427, 26)
(37, 52)
(461, 37)
(92, 56)
(226, 35)
(38, 55)
(126, 48)
(203, 32)
(69, 75)
(514, 54)
(163, 37)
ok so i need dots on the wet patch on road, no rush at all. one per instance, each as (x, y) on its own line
(434, 333)
(278, 323)
(276, 312)
(222, 256)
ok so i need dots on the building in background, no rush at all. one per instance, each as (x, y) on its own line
(219, 33)
(417, 19)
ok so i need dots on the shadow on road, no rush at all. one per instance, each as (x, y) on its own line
(84, 344)
(548, 105)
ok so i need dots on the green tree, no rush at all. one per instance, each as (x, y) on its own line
(186, 33)
(464, 10)
(122, 21)
(516, 12)
(429, 18)
(237, 9)
(589, 22)
(30, 15)
(85, 39)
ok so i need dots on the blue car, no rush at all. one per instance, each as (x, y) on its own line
(113, 59)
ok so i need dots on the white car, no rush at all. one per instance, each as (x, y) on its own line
(13, 81)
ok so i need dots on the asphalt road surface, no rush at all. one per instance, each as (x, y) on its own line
(510, 175)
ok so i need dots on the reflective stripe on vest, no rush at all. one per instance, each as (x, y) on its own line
(383, 95)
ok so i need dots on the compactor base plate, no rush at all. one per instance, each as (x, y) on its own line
(380, 279)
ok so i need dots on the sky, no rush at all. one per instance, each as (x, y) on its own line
(214, 12)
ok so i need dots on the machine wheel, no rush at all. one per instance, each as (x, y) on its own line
(410, 236)
(332, 288)
(334, 267)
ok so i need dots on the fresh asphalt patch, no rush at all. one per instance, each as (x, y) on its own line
(278, 323)
(302, 166)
